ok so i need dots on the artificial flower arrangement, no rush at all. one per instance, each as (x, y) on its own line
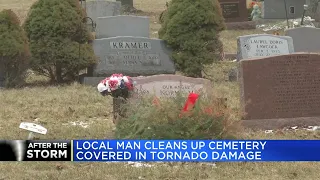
(255, 3)
(117, 85)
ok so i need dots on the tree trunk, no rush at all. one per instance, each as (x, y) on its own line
(59, 73)
(313, 9)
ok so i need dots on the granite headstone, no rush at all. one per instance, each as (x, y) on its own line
(234, 11)
(275, 9)
(101, 8)
(263, 45)
(131, 56)
(285, 86)
(305, 39)
(124, 25)
(260, 45)
(165, 86)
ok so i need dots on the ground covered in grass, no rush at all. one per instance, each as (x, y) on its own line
(80, 112)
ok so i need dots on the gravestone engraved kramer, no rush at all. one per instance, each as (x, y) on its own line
(132, 56)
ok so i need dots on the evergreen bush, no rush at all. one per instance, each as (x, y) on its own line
(210, 119)
(191, 28)
(14, 50)
(59, 38)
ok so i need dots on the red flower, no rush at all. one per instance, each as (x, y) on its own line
(129, 85)
(113, 84)
(156, 101)
(253, 3)
(105, 81)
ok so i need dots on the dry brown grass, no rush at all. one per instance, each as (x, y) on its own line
(57, 107)
(20, 7)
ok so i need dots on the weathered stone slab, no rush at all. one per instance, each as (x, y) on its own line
(234, 11)
(286, 86)
(132, 56)
(101, 8)
(263, 45)
(305, 39)
(166, 86)
(113, 26)
(275, 9)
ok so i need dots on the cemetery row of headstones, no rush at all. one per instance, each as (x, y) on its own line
(123, 45)
(275, 81)
(279, 78)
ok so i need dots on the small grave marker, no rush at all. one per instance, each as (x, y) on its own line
(33, 128)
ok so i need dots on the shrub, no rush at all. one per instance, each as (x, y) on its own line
(210, 119)
(249, 13)
(59, 39)
(191, 28)
(14, 49)
(163, 13)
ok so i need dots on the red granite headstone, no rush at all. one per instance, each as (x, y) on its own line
(234, 10)
(285, 86)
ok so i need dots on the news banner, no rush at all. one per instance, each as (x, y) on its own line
(160, 150)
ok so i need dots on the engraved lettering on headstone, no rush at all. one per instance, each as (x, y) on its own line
(133, 56)
(230, 10)
(290, 85)
(260, 47)
(165, 86)
(130, 45)
(254, 46)
(167, 89)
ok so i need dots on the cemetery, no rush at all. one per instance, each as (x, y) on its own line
(121, 69)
